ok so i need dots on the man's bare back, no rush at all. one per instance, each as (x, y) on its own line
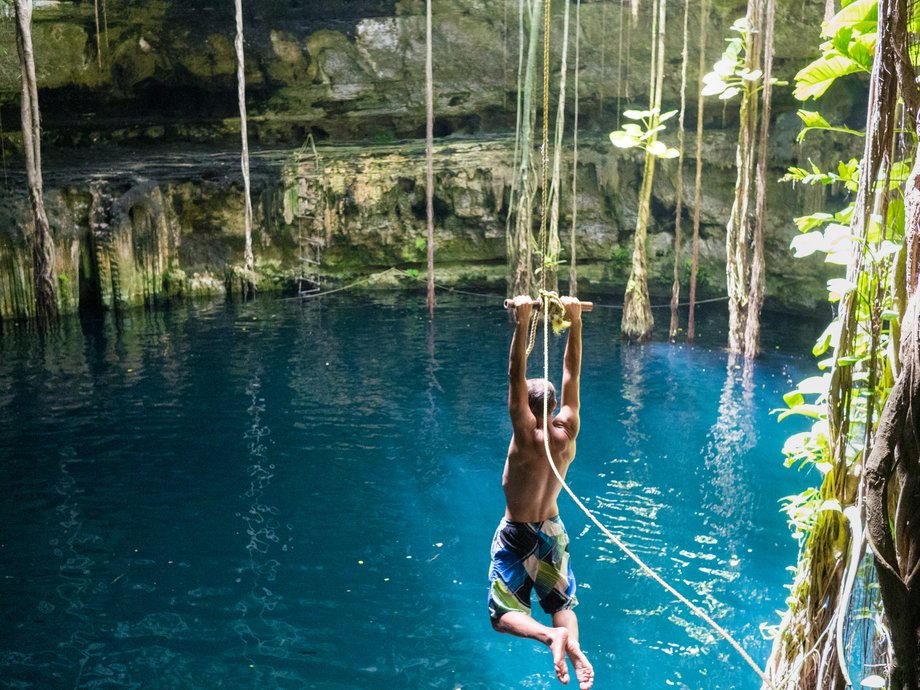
(531, 536)
(531, 488)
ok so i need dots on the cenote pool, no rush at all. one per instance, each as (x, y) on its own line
(302, 495)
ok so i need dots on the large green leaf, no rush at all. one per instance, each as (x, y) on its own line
(862, 50)
(637, 114)
(855, 15)
(813, 119)
(841, 40)
(812, 221)
(814, 79)
(807, 244)
(622, 140)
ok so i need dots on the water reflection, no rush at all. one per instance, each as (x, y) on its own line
(264, 627)
(75, 569)
(726, 501)
(302, 495)
(633, 365)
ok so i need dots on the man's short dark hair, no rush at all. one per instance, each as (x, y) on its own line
(535, 389)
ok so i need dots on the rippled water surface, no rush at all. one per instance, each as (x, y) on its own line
(287, 495)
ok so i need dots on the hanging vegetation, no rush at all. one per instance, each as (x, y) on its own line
(740, 71)
(679, 184)
(524, 185)
(573, 271)
(756, 281)
(46, 306)
(248, 273)
(698, 176)
(873, 366)
(643, 132)
(554, 245)
(429, 154)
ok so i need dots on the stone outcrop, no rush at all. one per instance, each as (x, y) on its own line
(137, 225)
(154, 234)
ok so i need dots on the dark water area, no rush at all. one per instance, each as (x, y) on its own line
(302, 495)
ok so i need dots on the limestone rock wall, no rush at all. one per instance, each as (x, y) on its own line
(367, 208)
(135, 239)
(342, 69)
(133, 224)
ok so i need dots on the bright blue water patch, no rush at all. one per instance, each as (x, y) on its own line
(287, 495)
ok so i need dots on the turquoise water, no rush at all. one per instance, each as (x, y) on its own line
(287, 495)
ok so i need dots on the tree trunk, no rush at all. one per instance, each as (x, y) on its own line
(638, 321)
(892, 480)
(429, 153)
(46, 306)
(738, 230)
(755, 303)
(248, 260)
(892, 470)
(698, 180)
(806, 650)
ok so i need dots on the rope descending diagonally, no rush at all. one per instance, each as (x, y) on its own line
(551, 307)
(613, 538)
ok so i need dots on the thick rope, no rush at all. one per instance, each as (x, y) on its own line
(547, 300)
(705, 617)
(544, 149)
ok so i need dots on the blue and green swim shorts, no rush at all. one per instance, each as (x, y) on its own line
(527, 555)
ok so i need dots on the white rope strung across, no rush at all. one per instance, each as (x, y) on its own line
(607, 533)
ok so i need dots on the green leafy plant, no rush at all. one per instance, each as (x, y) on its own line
(729, 76)
(852, 35)
(815, 121)
(643, 132)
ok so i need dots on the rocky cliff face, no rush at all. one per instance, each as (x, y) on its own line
(343, 69)
(139, 225)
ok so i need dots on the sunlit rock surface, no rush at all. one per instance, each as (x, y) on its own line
(160, 75)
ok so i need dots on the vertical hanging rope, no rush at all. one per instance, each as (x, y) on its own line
(679, 185)
(554, 245)
(98, 35)
(429, 152)
(544, 149)
(244, 155)
(698, 178)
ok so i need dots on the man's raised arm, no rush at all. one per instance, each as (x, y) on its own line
(571, 370)
(522, 419)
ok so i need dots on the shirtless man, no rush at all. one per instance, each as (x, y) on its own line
(531, 548)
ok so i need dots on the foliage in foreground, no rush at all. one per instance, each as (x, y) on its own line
(859, 361)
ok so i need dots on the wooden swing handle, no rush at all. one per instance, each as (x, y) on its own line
(585, 306)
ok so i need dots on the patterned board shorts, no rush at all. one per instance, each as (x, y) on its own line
(527, 555)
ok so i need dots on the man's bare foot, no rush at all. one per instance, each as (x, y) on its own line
(584, 671)
(559, 642)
